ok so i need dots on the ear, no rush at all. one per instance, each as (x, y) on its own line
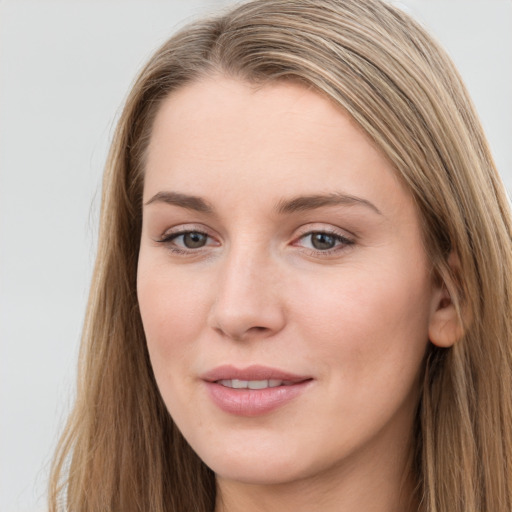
(445, 327)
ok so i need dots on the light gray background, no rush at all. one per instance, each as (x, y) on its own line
(65, 67)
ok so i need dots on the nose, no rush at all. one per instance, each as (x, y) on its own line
(248, 303)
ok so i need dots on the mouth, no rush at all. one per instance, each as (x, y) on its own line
(232, 376)
(253, 384)
(253, 391)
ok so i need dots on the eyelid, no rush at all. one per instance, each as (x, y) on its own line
(318, 227)
(184, 228)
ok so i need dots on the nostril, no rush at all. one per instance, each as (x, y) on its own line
(240, 317)
(245, 335)
(256, 330)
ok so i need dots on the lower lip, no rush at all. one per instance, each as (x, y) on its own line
(253, 402)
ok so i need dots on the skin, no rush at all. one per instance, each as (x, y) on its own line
(356, 317)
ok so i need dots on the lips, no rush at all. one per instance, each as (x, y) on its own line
(254, 390)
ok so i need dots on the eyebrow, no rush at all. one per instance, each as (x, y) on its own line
(305, 203)
(183, 200)
(296, 204)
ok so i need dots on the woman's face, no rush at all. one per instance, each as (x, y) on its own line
(283, 286)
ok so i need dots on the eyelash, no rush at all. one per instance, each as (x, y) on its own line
(342, 242)
(169, 239)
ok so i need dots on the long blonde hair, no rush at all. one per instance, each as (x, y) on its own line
(121, 450)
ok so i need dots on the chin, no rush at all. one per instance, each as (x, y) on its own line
(256, 463)
(259, 472)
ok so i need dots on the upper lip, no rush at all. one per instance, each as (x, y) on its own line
(253, 372)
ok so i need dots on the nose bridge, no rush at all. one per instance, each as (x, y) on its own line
(247, 300)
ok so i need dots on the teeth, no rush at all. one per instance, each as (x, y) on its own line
(251, 384)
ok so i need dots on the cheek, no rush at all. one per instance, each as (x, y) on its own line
(368, 335)
(173, 310)
(374, 325)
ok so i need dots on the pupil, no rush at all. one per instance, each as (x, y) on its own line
(194, 240)
(322, 241)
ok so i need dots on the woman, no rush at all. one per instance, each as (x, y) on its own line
(302, 292)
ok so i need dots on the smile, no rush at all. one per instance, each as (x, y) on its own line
(253, 384)
(253, 391)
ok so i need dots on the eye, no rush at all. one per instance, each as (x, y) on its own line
(191, 239)
(323, 241)
(185, 241)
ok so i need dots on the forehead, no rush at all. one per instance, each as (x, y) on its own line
(220, 134)
(219, 108)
